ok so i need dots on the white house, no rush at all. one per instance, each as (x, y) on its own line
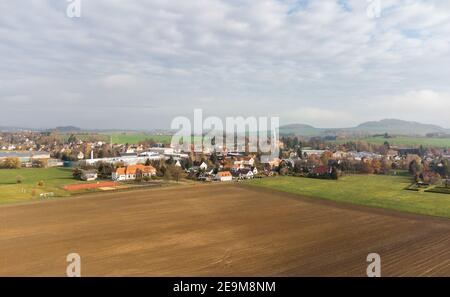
(255, 171)
(224, 176)
(245, 173)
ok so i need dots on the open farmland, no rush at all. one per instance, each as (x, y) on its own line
(117, 137)
(217, 230)
(402, 141)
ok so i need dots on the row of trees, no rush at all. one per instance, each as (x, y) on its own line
(15, 163)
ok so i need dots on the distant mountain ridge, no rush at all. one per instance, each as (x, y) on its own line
(390, 126)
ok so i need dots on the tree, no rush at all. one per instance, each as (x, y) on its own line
(12, 163)
(19, 179)
(386, 165)
(376, 166)
(72, 139)
(170, 161)
(415, 168)
(213, 158)
(167, 174)
(366, 167)
(40, 163)
(105, 169)
(176, 172)
(334, 173)
(325, 157)
(77, 173)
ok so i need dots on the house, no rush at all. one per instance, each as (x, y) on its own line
(249, 161)
(236, 167)
(245, 161)
(89, 175)
(244, 174)
(339, 155)
(307, 152)
(321, 170)
(255, 171)
(391, 154)
(271, 162)
(132, 172)
(224, 176)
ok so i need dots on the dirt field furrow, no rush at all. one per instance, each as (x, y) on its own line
(217, 230)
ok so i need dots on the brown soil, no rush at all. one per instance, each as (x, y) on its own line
(217, 230)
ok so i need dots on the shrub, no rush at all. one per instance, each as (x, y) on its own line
(19, 179)
(11, 163)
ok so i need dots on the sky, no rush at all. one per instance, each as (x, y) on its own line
(139, 64)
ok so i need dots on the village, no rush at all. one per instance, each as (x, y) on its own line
(149, 160)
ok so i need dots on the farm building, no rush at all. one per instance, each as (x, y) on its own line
(132, 172)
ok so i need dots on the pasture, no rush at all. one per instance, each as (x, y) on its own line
(369, 190)
(402, 141)
(117, 137)
(52, 181)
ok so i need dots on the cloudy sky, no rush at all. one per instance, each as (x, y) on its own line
(140, 63)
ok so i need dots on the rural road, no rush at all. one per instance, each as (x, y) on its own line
(216, 230)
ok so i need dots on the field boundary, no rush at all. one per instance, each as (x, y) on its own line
(353, 206)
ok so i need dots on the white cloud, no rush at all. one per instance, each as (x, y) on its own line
(264, 56)
(121, 81)
(424, 105)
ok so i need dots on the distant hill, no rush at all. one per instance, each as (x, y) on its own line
(67, 129)
(14, 129)
(393, 126)
(390, 126)
(301, 129)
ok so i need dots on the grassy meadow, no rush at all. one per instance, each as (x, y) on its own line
(405, 141)
(28, 190)
(122, 138)
(118, 137)
(369, 190)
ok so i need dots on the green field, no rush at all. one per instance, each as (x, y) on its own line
(118, 137)
(28, 190)
(133, 138)
(370, 190)
(402, 141)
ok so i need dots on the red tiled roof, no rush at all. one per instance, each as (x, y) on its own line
(224, 173)
(132, 169)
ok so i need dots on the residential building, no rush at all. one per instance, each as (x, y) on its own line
(133, 172)
(224, 176)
